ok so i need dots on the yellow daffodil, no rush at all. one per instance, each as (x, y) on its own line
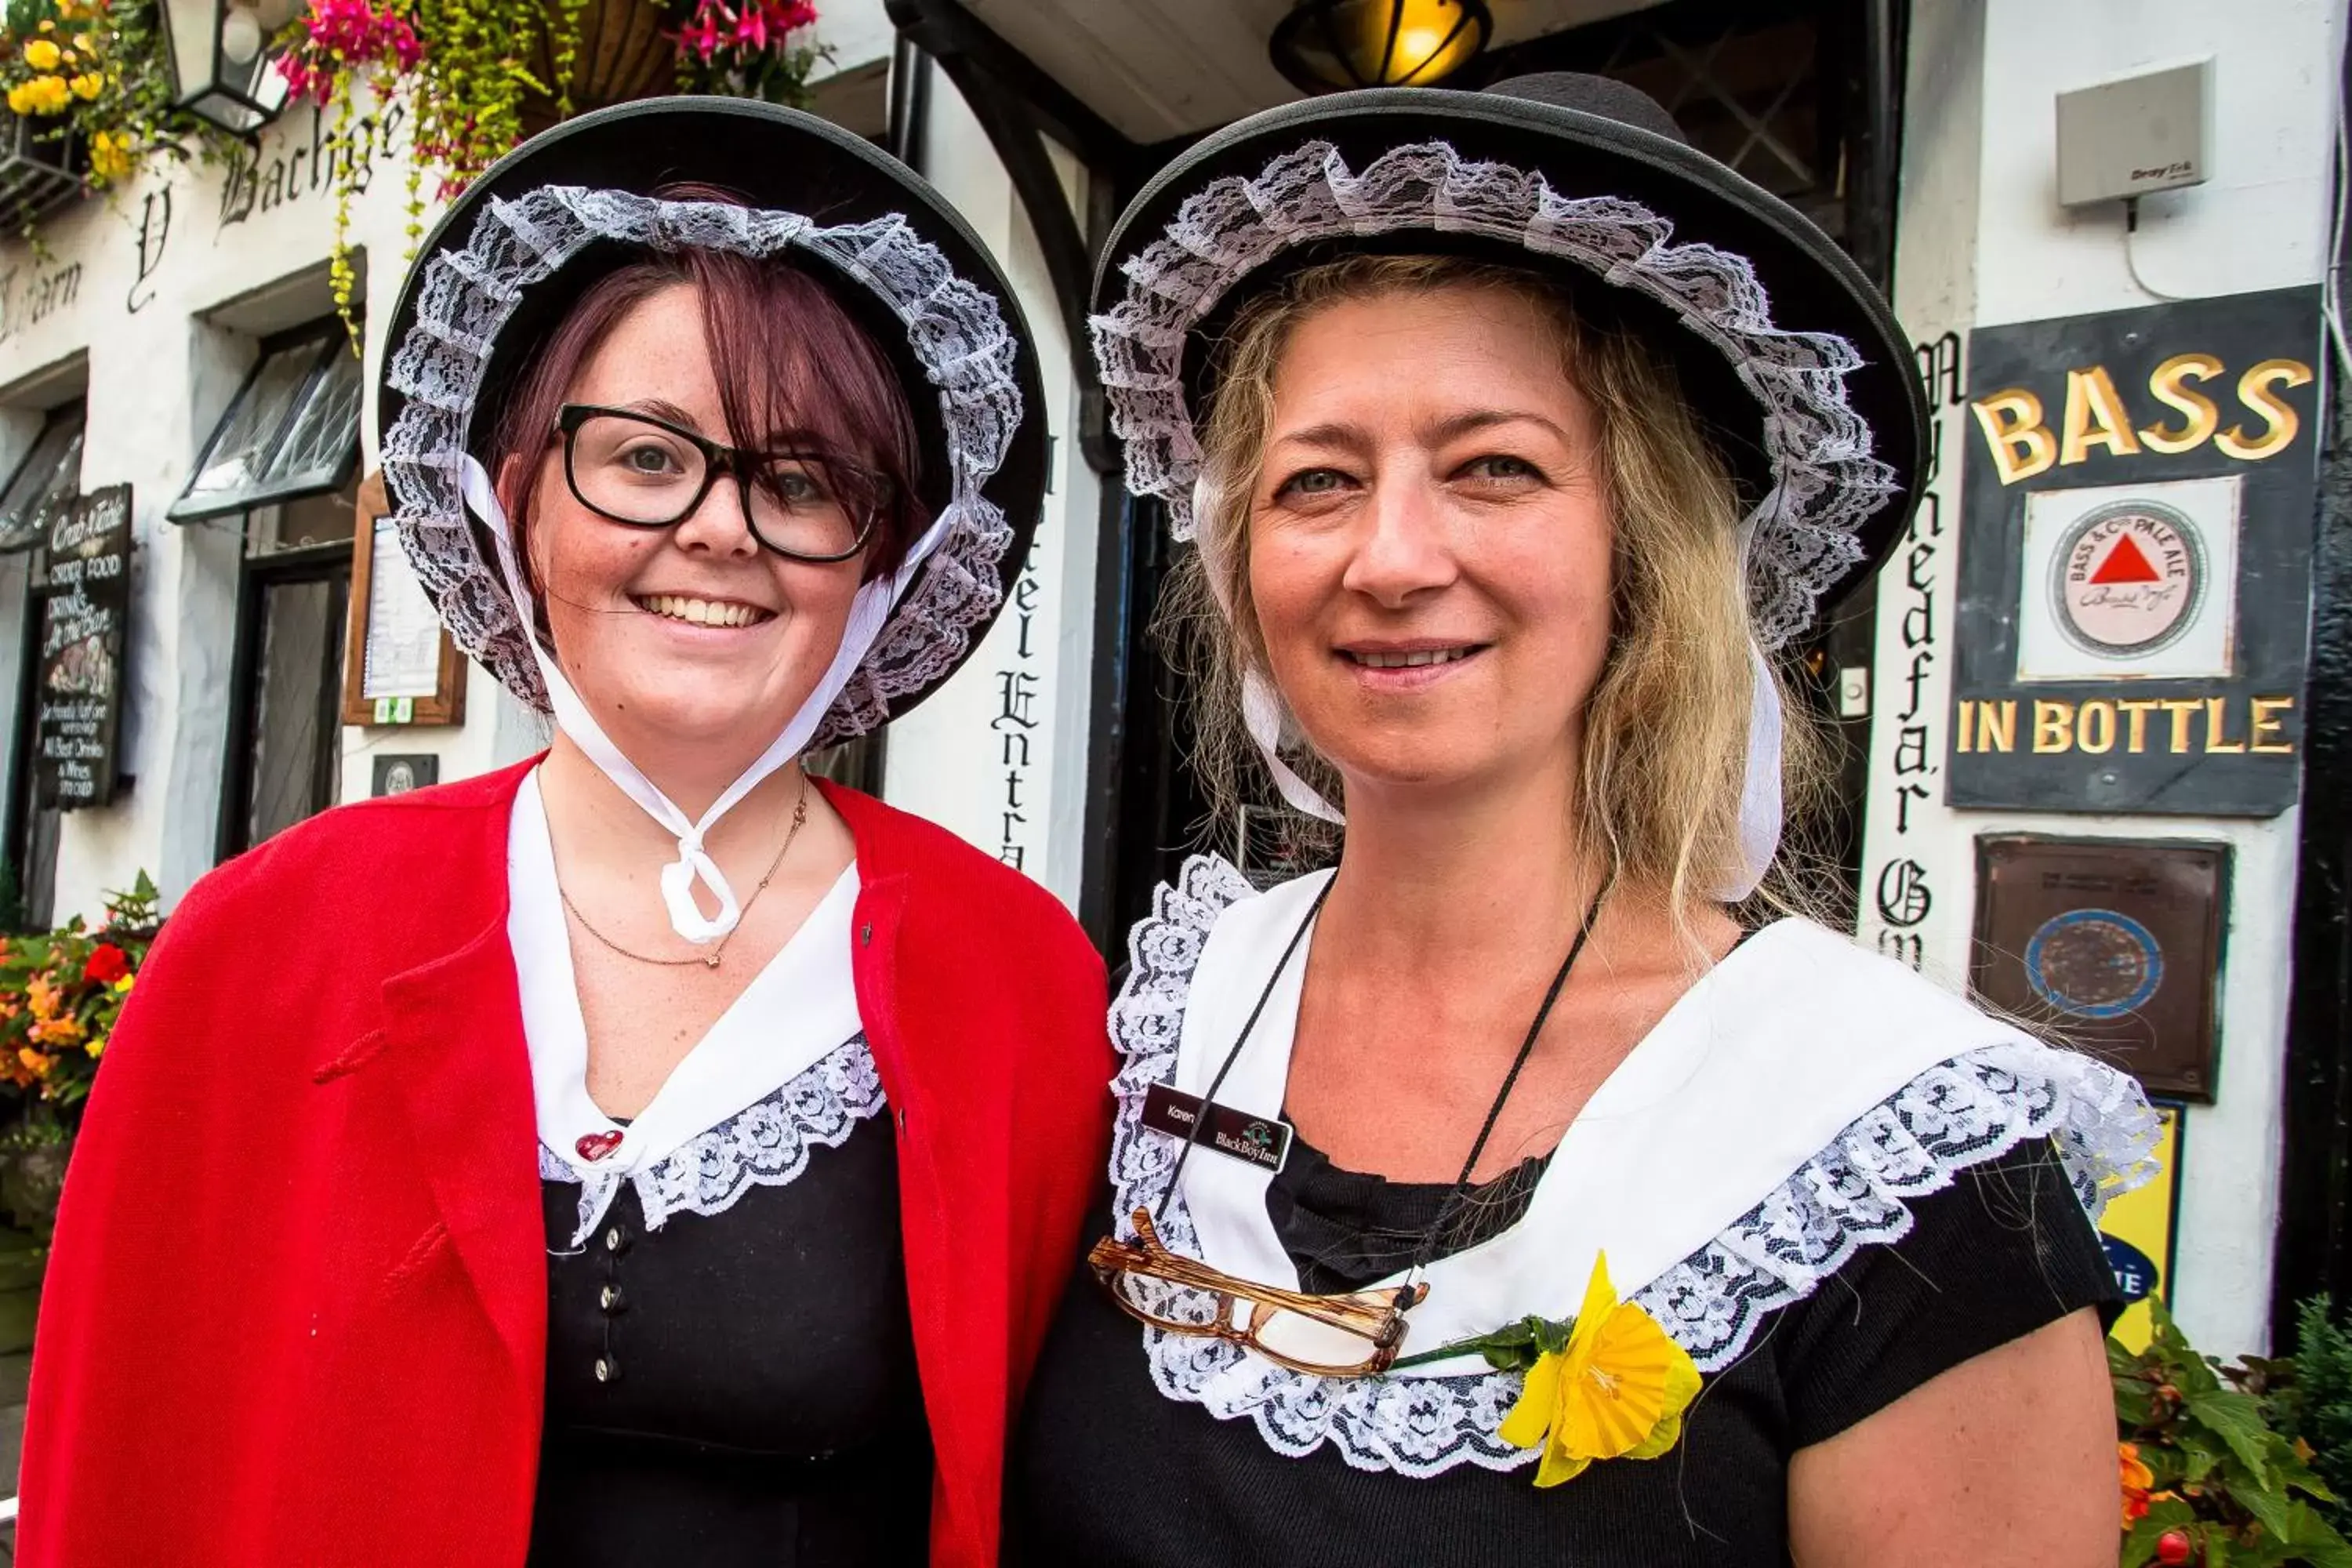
(86, 86)
(42, 55)
(1617, 1390)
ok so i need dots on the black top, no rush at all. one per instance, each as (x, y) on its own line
(1106, 1471)
(736, 1388)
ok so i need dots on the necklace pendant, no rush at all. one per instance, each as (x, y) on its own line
(711, 961)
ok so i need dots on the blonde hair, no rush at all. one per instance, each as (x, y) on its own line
(1665, 727)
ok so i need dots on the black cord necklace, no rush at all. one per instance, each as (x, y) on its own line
(1494, 1113)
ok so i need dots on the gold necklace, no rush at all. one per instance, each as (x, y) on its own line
(708, 960)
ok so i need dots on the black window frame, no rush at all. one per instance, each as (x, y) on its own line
(257, 575)
(318, 347)
(31, 901)
(66, 423)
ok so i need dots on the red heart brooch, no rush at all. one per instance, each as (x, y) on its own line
(596, 1145)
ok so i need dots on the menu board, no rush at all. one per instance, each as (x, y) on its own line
(79, 718)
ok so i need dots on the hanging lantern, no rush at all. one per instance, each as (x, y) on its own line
(218, 54)
(1329, 45)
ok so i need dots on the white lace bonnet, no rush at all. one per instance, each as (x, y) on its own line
(502, 268)
(1787, 353)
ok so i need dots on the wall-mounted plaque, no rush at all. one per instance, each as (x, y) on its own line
(401, 668)
(78, 720)
(2110, 945)
(399, 774)
(2135, 563)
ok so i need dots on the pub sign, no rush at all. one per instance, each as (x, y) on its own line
(78, 701)
(2135, 567)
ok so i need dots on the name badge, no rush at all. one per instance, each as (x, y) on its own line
(1261, 1141)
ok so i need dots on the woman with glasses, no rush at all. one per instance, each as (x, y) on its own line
(1524, 1190)
(643, 1154)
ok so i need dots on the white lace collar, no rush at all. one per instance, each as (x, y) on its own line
(1788, 1233)
(799, 1008)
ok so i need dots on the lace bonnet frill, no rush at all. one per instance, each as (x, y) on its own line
(1815, 409)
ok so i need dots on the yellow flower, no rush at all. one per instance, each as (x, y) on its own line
(123, 986)
(42, 55)
(1616, 1391)
(97, 1046)
(88, 86)
(42, 95)
(110, 160)
(42, 993)
(20, 99)
(35, 1063)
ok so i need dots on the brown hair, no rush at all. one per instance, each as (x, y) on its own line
(1665, 727)
(787, 356)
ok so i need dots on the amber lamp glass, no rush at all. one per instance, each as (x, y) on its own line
(1329, 45)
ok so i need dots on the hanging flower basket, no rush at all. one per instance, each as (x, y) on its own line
(628, 49)
(42, 169)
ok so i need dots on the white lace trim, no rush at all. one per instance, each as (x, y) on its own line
(1799, 538)
(765, 1144)
(956, 329)
(1959, 1113)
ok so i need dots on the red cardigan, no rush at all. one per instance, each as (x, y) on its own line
(297, 1307)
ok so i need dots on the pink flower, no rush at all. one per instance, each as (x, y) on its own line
(707, 34)
(751, 31)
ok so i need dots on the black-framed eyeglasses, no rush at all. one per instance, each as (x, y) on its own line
(643, 473)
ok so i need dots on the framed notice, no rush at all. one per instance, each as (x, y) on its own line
(401, 666)
(2135, 564)
(2112, 946)
(78, 695)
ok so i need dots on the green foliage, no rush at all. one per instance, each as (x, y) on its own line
(2321, 1412)
(2244, 1492)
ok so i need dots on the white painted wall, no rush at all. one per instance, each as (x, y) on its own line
(998, 754)
(149, 268)
(1982, 241)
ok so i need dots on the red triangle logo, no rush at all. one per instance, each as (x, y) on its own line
(2126, 563)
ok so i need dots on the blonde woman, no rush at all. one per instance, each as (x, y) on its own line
(1499, 1198)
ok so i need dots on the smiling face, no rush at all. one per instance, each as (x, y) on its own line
(1430, 540)
(692, 636)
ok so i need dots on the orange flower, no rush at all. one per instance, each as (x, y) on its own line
(42, 994)
(64, 1031)
(35, 1062)
(2137, 1479)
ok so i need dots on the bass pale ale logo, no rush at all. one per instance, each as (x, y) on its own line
(2130, 579)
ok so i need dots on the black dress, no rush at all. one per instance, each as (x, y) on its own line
(1106, 1471)
(739, 1387)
